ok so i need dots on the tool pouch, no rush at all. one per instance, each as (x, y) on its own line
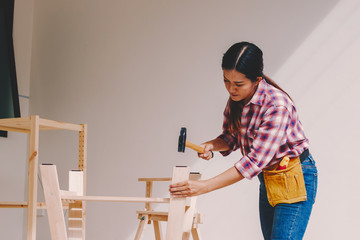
(285, 186)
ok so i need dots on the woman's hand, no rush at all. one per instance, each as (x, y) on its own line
(208, 154)
(188, 188)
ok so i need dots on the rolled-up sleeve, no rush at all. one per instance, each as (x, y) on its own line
(269, 137)
(231, 141)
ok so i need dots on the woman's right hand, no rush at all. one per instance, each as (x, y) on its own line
(208, 148)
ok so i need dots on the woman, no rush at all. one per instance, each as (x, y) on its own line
(259, 119)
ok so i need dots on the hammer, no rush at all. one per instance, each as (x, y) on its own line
(184, 143)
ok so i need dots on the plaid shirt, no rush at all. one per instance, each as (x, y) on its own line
(270, 129)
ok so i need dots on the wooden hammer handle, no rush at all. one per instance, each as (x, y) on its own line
(194, 147)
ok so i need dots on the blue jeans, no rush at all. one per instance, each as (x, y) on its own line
(288, 221)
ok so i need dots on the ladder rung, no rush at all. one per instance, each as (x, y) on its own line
(75, 219)
(76, 209)
(75, 229)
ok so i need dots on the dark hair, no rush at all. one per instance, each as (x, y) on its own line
(247, 59)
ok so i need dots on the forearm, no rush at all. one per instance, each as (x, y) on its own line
(218, 144)
(224, 179)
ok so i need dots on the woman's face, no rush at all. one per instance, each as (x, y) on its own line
(238, 86)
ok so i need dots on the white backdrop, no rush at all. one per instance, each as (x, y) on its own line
(136, 72)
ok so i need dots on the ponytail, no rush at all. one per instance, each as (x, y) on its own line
(271, 82)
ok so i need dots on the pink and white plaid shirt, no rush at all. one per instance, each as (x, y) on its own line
(270, 129)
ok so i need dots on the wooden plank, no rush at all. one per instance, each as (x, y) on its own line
(67, 193)
(32, 178)
(154, 217)
(158, 218)
(10, 129)
(117, 199)
(40, 205)
(174, 228)
(13, 204)
(152, 213)
(46, 124)
(154, 179)
(53, 202)
(17, 123)
(23, 124)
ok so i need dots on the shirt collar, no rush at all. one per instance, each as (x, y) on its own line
(259, 96)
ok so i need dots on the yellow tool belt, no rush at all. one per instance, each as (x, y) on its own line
(285, 186)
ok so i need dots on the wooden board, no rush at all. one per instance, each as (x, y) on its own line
(24, 124)
(176, 216)
(53, 202)
(154, 179)
(117, 199)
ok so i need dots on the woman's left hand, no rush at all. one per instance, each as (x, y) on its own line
(188, 188)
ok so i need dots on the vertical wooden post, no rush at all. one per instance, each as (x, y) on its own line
(83, 153)
(149, 187)
(53, 202)
(83, 168)
(176, 216)
(32, 177)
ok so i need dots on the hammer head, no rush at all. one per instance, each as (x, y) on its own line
(182, 140)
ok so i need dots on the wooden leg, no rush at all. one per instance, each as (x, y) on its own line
(195, 233)
(32, 178)
(186, 236)
(157, 230)
(141, 228)
(53, 202)
(174, 230)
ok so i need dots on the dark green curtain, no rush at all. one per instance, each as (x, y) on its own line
(6, 98)
(9, 98)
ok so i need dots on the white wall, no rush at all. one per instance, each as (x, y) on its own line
(138, 71)
(323, 77)
(13, 170)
